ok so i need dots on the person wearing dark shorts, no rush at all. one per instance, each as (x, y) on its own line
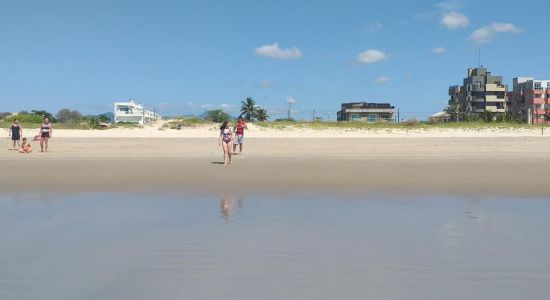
(16, 132)
(45, 134)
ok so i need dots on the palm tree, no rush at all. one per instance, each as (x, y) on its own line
(248, 108)
(262, 115)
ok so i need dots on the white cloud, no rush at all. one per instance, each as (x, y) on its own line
(382, 80)
(264, 84)
(225, 107)
(439, 50)
(274, 51)
(371, 56)
(290, 100)
(487, 33)
(449, 5)
(454, 20)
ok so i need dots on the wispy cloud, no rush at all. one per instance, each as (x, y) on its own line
(264, 84)
(290, 100)
(274, 51)
(454, 20)
(449, 5)
(487, 33)
(372, 56)
(382, 80)
(225, 107)
(439, 50)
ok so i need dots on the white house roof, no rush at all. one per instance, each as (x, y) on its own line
(441, 114)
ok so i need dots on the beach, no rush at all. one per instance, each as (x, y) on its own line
(488, 163)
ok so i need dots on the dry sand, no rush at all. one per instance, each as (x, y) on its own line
(487, 166)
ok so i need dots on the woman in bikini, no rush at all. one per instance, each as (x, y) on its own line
(45, 133)
(16, 133)
(226, 141)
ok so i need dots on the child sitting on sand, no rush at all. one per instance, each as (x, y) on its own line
(25, 147)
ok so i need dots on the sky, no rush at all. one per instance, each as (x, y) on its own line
(185, 57)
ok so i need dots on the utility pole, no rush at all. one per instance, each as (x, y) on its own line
(398, 115)
(289, 106)
(313, 118)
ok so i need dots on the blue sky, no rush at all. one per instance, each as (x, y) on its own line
(187, 56)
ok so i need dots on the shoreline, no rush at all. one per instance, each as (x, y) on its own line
(470, 167)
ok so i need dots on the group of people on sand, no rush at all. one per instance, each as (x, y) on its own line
(21, 143)
(230, 137)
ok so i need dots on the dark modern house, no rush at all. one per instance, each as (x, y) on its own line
(366, 112)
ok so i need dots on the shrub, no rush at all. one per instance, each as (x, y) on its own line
(66, 115)
(217, 116)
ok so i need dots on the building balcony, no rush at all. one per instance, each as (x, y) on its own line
(367, 110)
(539, 101)
(494, 88)
(494, 98)
(495, 109)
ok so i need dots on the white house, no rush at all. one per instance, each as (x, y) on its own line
(133, 113)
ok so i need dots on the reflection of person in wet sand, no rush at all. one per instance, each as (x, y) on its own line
(226, 205)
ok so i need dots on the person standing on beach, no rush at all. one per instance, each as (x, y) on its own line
(45, 133)
(239, 133)
(226, 141)
(16, 132)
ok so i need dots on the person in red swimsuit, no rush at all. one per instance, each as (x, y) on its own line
(25, 147)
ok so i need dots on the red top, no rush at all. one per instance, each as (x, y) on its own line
(240, 128)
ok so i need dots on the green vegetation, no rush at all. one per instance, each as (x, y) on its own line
(218, 116)
(186, 122)
(64, 119)
(248, 108)
(252, 112)
(410, 124)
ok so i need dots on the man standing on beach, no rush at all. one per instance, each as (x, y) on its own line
(239, 133)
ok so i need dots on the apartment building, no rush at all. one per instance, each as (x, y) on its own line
(481, 94)
(530, 100)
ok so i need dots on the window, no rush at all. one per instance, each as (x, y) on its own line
(477, 84)
(354, 117)
(538, 85)
(373, 118)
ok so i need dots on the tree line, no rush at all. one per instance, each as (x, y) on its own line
(250, 111)
(65, 115)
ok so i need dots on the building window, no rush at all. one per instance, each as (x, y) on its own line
(354, 117)
(372, 118)
(538, 85)
(477, 84)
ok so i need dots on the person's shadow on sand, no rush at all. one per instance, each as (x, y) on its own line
(217, 162)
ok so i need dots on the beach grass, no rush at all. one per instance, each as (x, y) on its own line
(320, 125)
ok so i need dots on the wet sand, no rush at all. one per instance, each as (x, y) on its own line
(487, 167)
